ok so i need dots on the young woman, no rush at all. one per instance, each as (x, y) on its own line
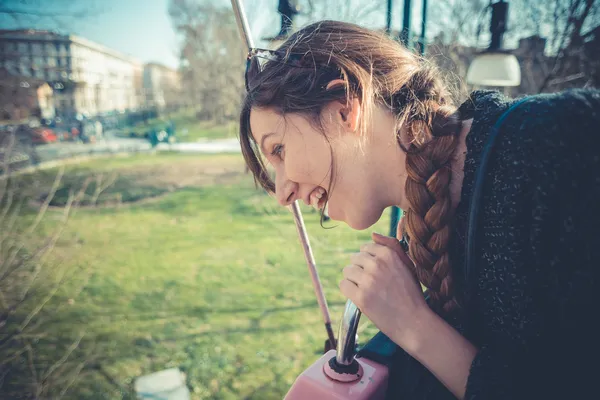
(350, 119)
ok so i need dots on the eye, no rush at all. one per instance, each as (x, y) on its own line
(277, 150)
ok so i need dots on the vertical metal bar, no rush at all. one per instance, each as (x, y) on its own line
(242, 22)
(312, 267)
(406, 28)
(423, 27)
(244, 30)
(405, 37)
(394, 219)
(388, 26)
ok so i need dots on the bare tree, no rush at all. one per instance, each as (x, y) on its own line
(212, 56)
(571, 63)
(555, 55)
(368, 13)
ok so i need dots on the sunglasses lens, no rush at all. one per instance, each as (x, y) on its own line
(252, 70)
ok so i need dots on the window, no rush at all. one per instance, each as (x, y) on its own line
(10, 65)
(36, 48)
(50, 49)
(23, 48)
(38, 62)
(24, 69)
(51, 62)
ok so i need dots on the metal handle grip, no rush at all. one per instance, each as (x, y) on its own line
(346, 344)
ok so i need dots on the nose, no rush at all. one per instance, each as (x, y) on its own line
(286, 190)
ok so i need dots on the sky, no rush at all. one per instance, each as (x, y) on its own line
(143, 29)
(139, 28)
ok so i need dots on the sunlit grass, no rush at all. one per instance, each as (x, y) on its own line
(209, 278)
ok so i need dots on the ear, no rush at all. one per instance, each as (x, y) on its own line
(349, 114)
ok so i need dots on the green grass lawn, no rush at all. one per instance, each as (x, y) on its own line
(187, 127)
(206, 130)
(208, 277)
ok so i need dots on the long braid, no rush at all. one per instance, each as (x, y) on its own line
(433, 129)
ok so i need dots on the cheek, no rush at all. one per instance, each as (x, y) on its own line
(308, 164)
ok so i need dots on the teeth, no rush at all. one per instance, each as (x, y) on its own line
(316, 198)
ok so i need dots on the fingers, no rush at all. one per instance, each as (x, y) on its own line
(355, 280)
(364, 260)
(388, 241)
(392, 244)
(369, 249)
(353, 273)
(376, 250)
(348, 288)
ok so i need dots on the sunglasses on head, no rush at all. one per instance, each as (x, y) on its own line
(258, 58)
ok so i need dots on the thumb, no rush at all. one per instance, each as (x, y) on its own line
(393, 244)
(388, 241)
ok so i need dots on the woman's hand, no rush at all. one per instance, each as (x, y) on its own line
(380, 282)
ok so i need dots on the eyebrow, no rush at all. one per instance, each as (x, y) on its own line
(262, 141)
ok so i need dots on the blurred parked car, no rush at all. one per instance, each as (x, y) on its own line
(43, 135)
(64, 129)
(18, 145)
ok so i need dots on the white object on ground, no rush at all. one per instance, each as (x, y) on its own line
(168, 384)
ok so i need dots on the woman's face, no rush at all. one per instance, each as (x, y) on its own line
(303, 155)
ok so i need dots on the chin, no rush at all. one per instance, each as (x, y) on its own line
(360, 220)
(359, 225)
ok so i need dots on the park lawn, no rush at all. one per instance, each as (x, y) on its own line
(190, 129)
(197, 131)
(207, 276)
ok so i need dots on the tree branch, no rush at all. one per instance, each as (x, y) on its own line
(43, 14)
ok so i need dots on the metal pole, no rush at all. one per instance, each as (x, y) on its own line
(405, 37)
(242, 23)
(406, 31)
(312, 268)
(388, 28)
(244, 30)
(394, 219)
(423, 27)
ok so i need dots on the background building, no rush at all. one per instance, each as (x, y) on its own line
(22, 99)
(87, 78)
(162, 86)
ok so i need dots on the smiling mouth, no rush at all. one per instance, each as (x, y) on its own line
(318, 197)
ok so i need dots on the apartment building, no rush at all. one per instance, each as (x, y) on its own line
(162, 86)
(87, 78)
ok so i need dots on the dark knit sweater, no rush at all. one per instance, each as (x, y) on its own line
(533, 313)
